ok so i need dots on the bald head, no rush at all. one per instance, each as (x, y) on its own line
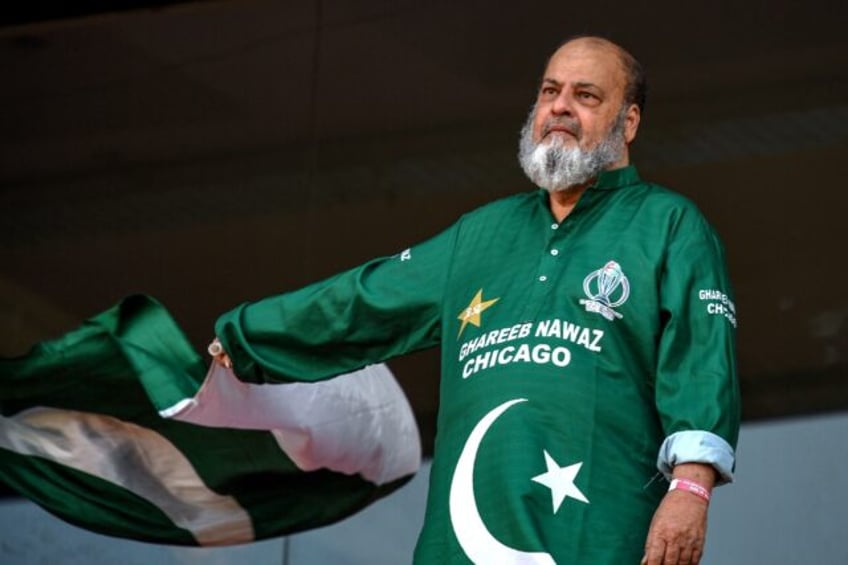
(635, 85)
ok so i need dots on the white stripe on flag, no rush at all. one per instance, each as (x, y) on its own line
(146, 464)
(356, 423)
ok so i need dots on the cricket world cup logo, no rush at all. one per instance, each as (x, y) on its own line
(607, 288)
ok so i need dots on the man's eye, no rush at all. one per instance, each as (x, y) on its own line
(549, 91)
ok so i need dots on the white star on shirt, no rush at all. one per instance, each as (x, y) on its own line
(561, 481)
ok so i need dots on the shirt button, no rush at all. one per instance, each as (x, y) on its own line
(554, 252)
(554, 226)
(543, 278)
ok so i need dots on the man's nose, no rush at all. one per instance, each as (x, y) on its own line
(562, 105)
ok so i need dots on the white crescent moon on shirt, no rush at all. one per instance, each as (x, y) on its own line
(474, 537)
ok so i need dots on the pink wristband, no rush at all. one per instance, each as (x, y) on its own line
(690, 486)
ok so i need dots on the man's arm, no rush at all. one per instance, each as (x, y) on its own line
(384, 308)
(696, 392)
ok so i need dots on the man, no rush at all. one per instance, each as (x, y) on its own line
(585, 328)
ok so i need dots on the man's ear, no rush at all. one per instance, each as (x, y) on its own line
(631, 123)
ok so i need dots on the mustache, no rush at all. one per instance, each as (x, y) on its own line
(573, 126)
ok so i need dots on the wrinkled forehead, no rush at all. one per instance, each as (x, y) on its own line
(588, 60)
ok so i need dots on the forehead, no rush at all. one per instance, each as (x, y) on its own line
(584, 61)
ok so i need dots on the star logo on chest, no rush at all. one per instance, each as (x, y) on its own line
(471, 313)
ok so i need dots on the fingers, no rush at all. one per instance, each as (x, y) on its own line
(672, 556)
(696, 555)
(685, 556)
(669, 554)
(216, 350)
(225, 361)
(654, 553)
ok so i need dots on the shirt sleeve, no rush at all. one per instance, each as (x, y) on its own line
(697, 390)
(383, 308)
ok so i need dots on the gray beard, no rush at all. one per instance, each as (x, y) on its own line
(555, 167)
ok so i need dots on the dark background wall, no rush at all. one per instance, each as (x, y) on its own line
(209, 153)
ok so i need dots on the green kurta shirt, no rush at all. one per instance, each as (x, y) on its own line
(570, 352)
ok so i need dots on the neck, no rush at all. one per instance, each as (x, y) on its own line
(562, 202)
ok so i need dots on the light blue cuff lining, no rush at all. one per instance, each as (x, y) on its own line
(697, 446)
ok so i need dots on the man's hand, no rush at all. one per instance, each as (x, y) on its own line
(216, 350)
(679, 527)
(678, 531)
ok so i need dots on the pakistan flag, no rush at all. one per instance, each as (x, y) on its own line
(118, 427)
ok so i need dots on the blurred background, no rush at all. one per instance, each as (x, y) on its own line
(213, 152)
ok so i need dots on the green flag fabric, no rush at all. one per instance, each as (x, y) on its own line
(119, 428)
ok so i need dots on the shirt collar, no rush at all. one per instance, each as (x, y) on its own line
(616, 178)
(607, 180)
